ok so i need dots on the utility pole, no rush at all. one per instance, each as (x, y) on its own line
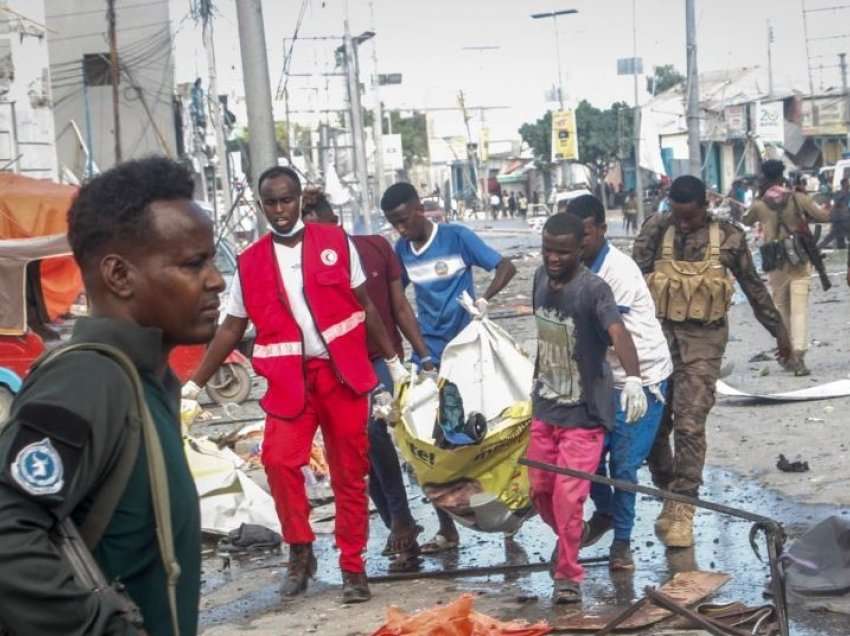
(842, 57)
(636, 122)
(217, 120)
(806, 39)
(258, 92)
(694, 149)
(360, 167)
(377, 115)
(769, 57)
(113, 64)
(471, 156)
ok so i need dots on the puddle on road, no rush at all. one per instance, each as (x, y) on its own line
(723, 545)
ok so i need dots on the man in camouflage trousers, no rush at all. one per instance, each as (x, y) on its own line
(687, 257)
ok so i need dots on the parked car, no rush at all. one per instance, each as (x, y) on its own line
(434, 209)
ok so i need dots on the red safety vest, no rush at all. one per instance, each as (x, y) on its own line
(338, 316)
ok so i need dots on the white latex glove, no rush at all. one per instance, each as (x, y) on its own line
(382, 404)
(190, 391)
(397, 371)
(655, 389)
(633, 399)
(481, 305)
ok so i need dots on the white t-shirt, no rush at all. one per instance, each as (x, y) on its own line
(289, 262)
(638, 311)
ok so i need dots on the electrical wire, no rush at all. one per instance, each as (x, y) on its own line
(284, 76)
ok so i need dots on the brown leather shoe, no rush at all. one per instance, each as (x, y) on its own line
(302, 567)
(355, 587)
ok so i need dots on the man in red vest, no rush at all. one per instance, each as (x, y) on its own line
(304, 289)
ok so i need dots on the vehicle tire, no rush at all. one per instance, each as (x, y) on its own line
(6, 398)
(230, 384)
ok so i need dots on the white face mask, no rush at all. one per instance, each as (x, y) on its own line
(299, 225)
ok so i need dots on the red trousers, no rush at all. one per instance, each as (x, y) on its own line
(342, 415)
(560, 499)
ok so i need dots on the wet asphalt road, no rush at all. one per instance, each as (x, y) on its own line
(722, 545)
(722, 542)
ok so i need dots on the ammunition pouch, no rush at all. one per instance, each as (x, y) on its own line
(691, 290)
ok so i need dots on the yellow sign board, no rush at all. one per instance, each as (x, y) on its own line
(564, 137)
(484, 144)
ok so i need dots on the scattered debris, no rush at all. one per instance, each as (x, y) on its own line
(764, 356)
(249, 537)
(787, 466)
(685, 587)
(457, 617)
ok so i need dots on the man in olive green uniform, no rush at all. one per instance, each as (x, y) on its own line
(781, 211)
(687, 257)
(146, 253)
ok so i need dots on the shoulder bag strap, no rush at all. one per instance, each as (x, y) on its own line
(667, 243)
(157, 473)
(713, 251)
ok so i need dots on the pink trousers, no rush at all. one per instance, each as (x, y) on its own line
(560, 499)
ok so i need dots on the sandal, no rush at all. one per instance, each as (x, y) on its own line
(401, 543)
(438, 544)
(566, 592)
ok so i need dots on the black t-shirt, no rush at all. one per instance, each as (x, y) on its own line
(573, 386)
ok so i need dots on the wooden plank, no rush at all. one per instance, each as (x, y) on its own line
(686, 588)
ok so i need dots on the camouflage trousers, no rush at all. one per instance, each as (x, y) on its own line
(697, 351)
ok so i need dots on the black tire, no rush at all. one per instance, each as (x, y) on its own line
(6, 398)
(230, 384)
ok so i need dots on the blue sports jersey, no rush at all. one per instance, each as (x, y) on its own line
(440, 272)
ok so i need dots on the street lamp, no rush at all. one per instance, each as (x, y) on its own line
(554, 15)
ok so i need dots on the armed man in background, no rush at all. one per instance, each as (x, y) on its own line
(687, 256)
(782, 213)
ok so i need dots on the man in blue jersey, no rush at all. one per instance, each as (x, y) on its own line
(438, 260)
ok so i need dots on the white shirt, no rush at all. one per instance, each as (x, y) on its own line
(289, 263)
(638, 310)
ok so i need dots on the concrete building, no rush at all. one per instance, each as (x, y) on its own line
(26, 122)
(80, 75)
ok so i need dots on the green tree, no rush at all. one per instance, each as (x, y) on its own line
(603, 135)
(666, 77)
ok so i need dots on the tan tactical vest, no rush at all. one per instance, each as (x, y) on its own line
(691, 290)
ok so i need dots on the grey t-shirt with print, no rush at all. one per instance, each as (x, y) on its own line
(573, 386)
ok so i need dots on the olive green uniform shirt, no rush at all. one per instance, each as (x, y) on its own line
(734, 254)
(79, 405)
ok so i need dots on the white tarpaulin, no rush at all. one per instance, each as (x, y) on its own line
(837, 389)
(228, 496)
(490, 372)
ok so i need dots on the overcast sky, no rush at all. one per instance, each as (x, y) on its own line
(424, 40)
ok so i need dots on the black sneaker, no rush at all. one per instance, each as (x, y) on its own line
(596, 528)
(620, 556)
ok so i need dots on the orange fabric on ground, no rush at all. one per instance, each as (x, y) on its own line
(455, 619)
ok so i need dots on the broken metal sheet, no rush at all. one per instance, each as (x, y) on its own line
(830, 390)
(686, 588)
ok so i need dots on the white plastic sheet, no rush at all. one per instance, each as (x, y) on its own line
(837, 389)
(228, 496)
(489, 370)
